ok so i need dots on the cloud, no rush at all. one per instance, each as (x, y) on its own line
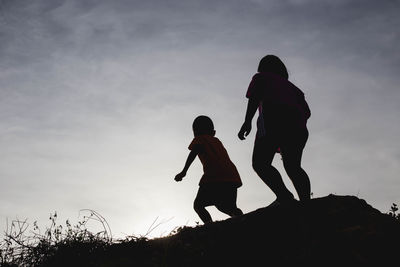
(100, 95)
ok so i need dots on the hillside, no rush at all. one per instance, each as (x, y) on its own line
(328, 231)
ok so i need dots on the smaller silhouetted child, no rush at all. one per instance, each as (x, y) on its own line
(219, 183)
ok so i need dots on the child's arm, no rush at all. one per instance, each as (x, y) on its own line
(191, 157)
(252, 106)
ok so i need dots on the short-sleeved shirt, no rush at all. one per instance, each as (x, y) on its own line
(277, 98)
(217, 166)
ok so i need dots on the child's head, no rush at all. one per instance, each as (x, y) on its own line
(271, 63)
(203, 125)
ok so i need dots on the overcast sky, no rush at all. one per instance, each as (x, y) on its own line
(97, 99)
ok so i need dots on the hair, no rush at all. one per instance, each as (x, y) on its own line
(271, 63)
(203, 125)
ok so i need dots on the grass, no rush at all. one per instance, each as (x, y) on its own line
(22, 246)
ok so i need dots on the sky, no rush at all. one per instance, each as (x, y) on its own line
(97, 99)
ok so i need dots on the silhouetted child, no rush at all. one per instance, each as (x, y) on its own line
(219, 183)
(281, 124)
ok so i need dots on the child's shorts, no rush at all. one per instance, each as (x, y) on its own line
(219, 195)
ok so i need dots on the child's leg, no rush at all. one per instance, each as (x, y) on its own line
(227, 203)
(200, 203)
(203, 213)
(292, 153)
(231, 211)
(263, 154)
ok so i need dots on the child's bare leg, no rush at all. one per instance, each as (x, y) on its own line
(227, 204)
(232, 211)
(201, 202)
(292, 154)
(263, 155)
(202, 212)
(300, 179)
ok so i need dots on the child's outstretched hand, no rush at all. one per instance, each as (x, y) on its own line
(179, 176)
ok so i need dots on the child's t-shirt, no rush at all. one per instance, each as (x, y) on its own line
(274, 91)
(217, 166)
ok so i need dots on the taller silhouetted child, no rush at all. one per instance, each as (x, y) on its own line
(219, 183)
(281, 127)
